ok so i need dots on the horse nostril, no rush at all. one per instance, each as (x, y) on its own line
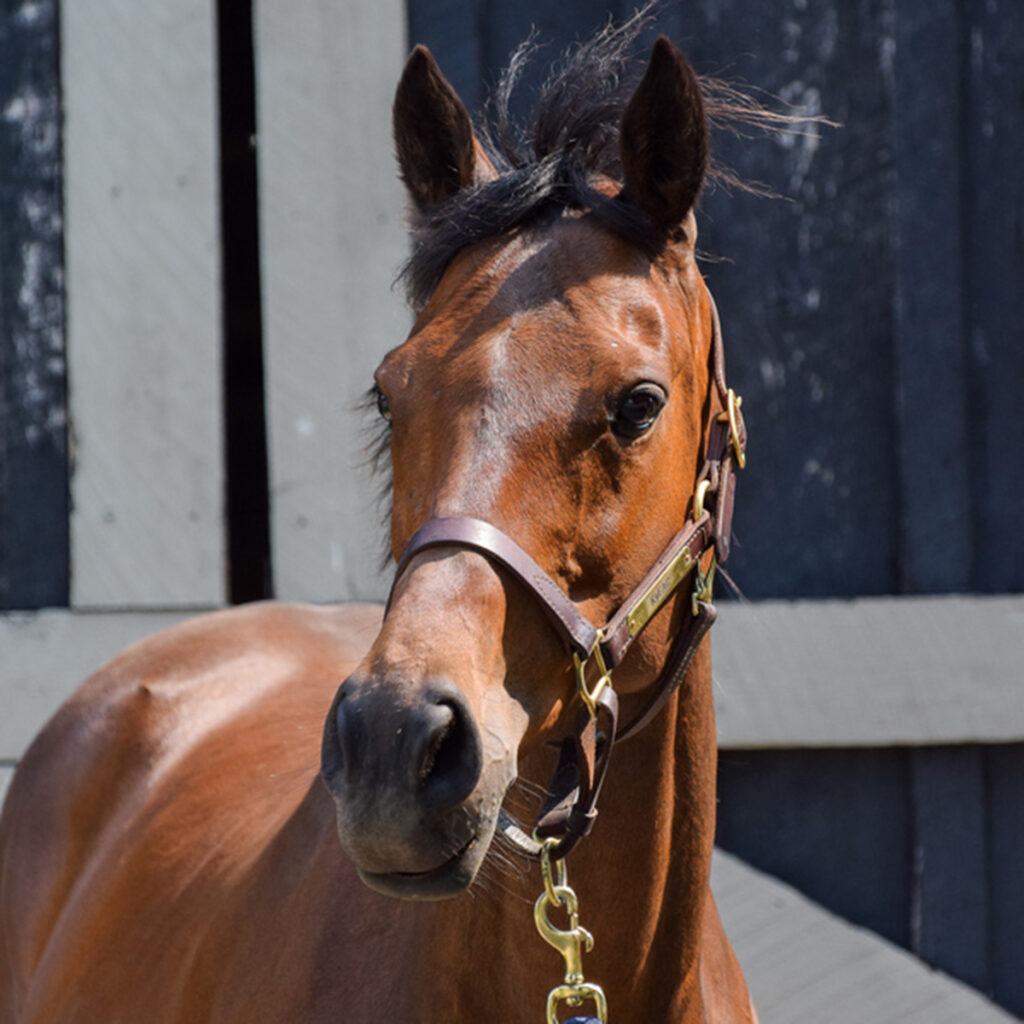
(448, 762)
(346, 737)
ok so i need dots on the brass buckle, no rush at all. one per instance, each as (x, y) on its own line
(733, 402)
(698, 499)
(703, 585)
(589, 696)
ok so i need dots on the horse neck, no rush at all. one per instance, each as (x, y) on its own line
(641, 878)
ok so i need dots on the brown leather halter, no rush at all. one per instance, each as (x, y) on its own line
(571, 807)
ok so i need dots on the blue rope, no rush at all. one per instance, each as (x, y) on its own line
(583, 1020)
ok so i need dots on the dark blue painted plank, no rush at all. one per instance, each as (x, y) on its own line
(1006, 859)
(994, 215)
(33, 446)
(807, 299)
(833, 823)
(921, 71)
(951, 880)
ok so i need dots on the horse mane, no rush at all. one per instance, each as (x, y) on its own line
(554, 161)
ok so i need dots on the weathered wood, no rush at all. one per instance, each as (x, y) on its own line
(806, 299)
(920, 59)
(994, 213)
(45, 655)
(143, 280)
(1005, 773)
(803, 964)
(950, 868)
(832, 822)
(33, 444)
(333, 238)
(869, 672)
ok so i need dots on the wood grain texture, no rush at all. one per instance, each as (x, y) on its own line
(333, 238)
(33, 420)
(869, 672)
(803, 964)
(143, 282)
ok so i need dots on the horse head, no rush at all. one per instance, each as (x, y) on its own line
(555, 385)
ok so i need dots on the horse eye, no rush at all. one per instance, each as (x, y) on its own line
(383, 405)
(637, 410)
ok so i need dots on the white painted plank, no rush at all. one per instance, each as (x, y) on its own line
(45, 655)
(805, 674)
(804, 964)
(870, 672)
(144, 313)
(332, 233)
(6, 773)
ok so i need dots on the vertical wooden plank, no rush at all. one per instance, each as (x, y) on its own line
(922, 46)
(333, 238)
(833, 823)
(950, 912)
(1006, 854)
(994, 199)
(33, 445)
(806, 293)
(143, 281)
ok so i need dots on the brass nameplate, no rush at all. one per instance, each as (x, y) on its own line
(659, 591)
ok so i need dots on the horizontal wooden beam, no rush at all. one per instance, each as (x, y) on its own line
(787, 674)
(870, 672)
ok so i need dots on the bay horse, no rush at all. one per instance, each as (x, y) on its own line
(186, 841)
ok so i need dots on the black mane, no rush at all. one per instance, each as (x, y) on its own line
(570, 143)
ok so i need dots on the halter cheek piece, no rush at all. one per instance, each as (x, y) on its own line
(571, 807)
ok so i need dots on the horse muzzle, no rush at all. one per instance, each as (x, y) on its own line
(405, 764)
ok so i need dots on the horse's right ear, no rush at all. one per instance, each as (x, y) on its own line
(438, 154)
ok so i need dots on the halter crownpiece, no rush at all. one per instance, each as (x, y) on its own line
(570, 810)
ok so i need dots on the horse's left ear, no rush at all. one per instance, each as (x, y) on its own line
(663, 143)
(437, 151)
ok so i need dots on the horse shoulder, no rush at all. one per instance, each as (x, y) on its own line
(160, 787)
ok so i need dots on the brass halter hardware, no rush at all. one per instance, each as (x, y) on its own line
(571, 942)
(587, 694)
(733, 402)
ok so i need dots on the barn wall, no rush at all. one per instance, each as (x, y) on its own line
(197, 204)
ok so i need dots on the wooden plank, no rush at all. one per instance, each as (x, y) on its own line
(1006, 850)
(994, 198)
(869, 672)
(834, 823)
(47, 654)
(805, 291)
(143, 283)
(936, 546)
(950, 882)
(333, 238)
(802, 964)
(33, 441)
(6, 774)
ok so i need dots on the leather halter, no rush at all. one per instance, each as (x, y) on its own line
(570, 810)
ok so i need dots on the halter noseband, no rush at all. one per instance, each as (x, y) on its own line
(571, 807)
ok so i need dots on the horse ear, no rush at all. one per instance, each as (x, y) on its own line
(663, 143)
(438, 154)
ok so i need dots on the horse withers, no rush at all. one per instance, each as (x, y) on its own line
(169, 850)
